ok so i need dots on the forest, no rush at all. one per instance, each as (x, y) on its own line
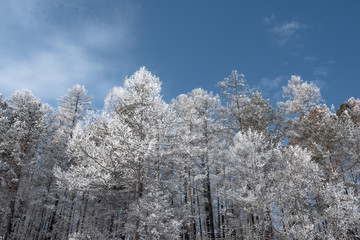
(204, 166)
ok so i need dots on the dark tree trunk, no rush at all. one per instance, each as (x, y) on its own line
(8, 222)
(208, 207)
(8, 227)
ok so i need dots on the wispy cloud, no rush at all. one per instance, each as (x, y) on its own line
(321, 84)
(271, 87)
(310, 59)
(48, 46)
(270, 19)
(283, 32)
(286, 32)
(271, 83)
(321, 71)
(331, 62)
(49, 72)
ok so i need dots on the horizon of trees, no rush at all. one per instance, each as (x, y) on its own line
(203, 166)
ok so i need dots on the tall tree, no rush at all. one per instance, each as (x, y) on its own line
(199, 137)
(26, 127)
(257, 114)
(301, 97)
(123, 152)
(236, 93)
(73, 105)
(73, 108)
(5, 156)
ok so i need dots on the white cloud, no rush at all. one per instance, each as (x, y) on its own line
(285, 32)
(287, 29)
(271, 83)
(321, 71)
(48, 47)
(271, 87)
(50, 72)
(270, 19)
(310, 59)
(321, 84)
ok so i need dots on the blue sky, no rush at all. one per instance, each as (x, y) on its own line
(48, 46)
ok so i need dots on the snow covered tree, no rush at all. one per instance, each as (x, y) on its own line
(351, 107)
(248, 180)
(26, 118)
(5, 158)
(258, 115)
(73, 105)
(199, 135)
(72, 108)
(144, 169)
(236, 93)
(302, 96)
(124, 151)
(279, 192)
(341, 214)
(140, 107)
(297, 188)
(333, 141)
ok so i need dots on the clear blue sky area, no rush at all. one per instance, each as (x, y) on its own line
(48, 46)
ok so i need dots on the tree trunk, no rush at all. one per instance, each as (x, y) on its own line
(137, 196)
(80, 225)
(70, 216)
(191, 217)
(218, 218)
(8, 221)
(208, 207)
(8, 228)
(269, 230)
(53, 217)
(199, 210)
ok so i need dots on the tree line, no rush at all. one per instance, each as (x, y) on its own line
(201, 167)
